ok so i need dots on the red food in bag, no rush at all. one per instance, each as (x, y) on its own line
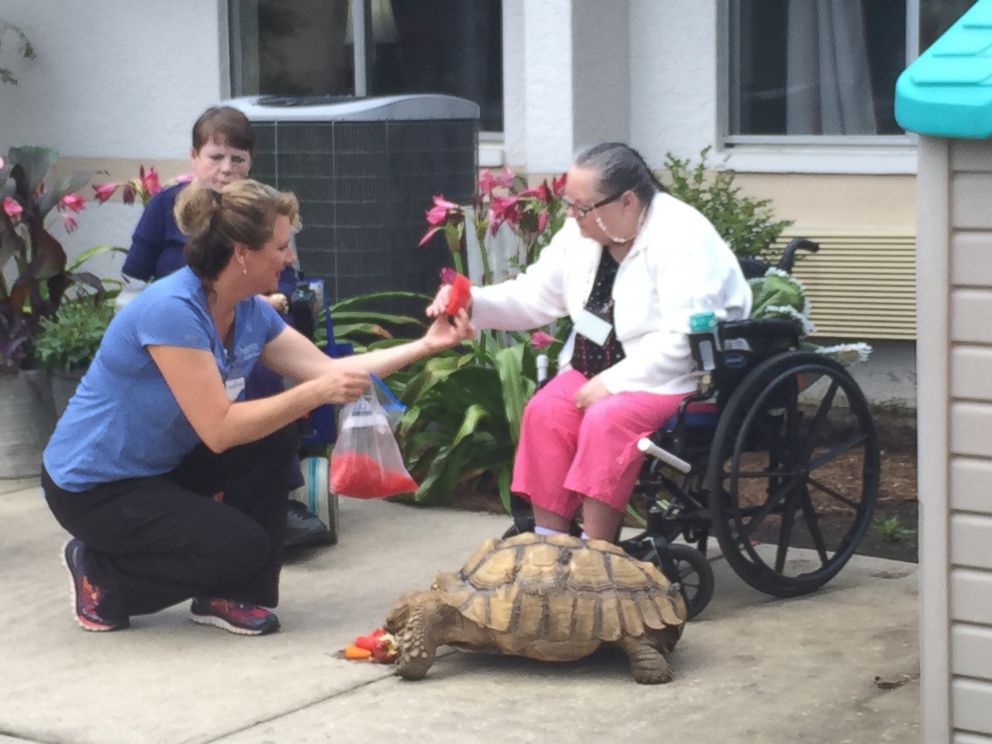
(356, 474)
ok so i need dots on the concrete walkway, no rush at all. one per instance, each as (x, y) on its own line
(838, 666)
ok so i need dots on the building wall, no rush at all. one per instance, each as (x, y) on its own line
(970, 369)
(115, 84)
(955, 450)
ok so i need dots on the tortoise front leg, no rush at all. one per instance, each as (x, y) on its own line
(417, 641)
(647, 664)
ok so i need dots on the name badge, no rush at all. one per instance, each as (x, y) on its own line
(234, 387)
(592, 327)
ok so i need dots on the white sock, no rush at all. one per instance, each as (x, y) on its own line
(539, 530)
(584, 536)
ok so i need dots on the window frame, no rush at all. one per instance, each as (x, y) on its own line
(883, 153)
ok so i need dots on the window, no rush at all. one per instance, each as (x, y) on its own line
(306, 47)
(824, 68)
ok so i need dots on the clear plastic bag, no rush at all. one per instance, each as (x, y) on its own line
(366, 462)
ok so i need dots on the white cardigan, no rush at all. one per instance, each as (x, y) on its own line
(678, 265)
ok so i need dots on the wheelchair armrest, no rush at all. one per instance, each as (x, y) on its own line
(759, 329)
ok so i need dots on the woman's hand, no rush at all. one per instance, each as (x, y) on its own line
(436, 308)
(344, 384)
(590, 392)
(446, 331)
(278, 302)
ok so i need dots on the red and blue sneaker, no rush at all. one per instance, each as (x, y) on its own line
(243, 618)
(86, 596)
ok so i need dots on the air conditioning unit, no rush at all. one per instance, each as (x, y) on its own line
(364, 171)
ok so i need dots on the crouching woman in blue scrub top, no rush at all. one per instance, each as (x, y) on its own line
(171, 485)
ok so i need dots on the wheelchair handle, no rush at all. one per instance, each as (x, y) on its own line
(789, 254)
(648, 447)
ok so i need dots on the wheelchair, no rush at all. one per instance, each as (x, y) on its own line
(754, 458)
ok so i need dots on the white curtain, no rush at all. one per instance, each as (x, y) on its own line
(827, 73)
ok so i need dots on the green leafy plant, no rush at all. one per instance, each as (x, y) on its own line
(68, 341)
(463, 414)
(748, 225)
(892, 530)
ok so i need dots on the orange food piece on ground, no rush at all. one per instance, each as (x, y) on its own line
(351, 651)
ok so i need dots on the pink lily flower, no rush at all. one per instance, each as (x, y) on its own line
(428, 235)
(541, 340)
(72, 201)
(12, 207)
(103, 191)
(558, 184)
(540, 192)
(69, 222)
(127, 196)
(489, 181)
(149, 181)
(503, 209)
(542, 222)
(436, 215)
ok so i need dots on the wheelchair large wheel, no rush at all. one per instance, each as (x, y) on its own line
(779, 473)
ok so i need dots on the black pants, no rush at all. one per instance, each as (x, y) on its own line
(153, 542)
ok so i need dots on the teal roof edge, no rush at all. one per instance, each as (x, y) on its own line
(944, 92)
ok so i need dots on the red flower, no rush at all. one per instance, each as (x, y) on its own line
(542, 222)
(149, 181)
(540, 192)
(488, 181)
(558, 184)
(439, 215)
(72, 201)
(103, 191)
(69, 222)
(541, 340)
(12, 207)
(128, 194)
(503, 209)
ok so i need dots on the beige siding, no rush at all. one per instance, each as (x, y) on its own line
(971, 429)
(960, 738)
(969, 528)
(972, 650)
(971, 705)
(970, 542)
(971, 485)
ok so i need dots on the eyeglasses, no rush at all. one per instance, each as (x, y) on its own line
(581, 212)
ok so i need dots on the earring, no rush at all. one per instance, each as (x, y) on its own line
(244, 269)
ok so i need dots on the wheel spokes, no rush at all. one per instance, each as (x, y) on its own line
(834, 494)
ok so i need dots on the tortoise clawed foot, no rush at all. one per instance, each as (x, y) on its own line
(653, 676)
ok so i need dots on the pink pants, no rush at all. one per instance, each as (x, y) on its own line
(566, 453)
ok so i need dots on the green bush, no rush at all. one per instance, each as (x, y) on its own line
(69, 341)
(748, 225)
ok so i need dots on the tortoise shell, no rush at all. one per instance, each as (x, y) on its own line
(559, 588)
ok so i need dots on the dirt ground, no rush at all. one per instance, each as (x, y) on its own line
(894, 526)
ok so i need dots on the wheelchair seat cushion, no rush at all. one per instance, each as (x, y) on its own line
(700, 415)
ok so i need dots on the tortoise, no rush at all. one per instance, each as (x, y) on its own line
(548, 597)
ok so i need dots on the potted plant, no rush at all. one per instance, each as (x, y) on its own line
(33, 279)
(68, 341)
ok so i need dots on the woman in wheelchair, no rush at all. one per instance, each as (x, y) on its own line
(628, 268)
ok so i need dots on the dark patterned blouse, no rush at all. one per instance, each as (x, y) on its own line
(588, 357)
